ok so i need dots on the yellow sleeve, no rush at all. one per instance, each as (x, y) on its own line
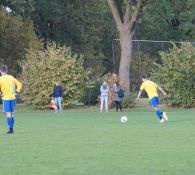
(18, 85)
(142, 87)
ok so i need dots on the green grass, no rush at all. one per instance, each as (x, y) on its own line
(93, 143)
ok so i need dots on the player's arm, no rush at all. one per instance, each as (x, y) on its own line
(139, 94)
(18, 85)
(164, 93)
(140, 91)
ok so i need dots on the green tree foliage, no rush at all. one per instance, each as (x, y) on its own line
(42, 69)
(129, 102)
(85, 26)
(16, 36)
(177, 74)
(168, 20)
(142, 63)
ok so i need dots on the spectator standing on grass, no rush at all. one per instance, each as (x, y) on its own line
(57, 95)
(116, 97)
(104, 89)
(9, 87)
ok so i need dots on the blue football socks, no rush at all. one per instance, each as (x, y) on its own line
(10, 122)
(159, 113)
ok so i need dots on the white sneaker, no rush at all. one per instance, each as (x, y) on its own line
(165, 116)
(162, 120)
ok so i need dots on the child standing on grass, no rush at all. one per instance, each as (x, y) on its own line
(151, 88)
(9, 87)
(57, 95)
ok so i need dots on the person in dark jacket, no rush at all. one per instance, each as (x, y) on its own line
(57, 95)
(116, 98)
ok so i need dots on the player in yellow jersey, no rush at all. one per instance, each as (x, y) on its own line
(9, 87)
(151, 89)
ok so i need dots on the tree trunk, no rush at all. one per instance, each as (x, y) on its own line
(126, 29)
(125, 60)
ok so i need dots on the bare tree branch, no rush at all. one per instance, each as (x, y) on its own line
(115, 14)
(135, 15)
(127, 13)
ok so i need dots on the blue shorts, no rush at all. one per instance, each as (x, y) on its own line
(154, 101)
(9, 105)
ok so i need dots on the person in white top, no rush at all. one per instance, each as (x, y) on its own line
(104, 89)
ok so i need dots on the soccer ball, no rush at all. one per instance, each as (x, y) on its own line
(124, 119)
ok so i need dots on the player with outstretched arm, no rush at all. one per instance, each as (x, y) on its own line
(151, 89)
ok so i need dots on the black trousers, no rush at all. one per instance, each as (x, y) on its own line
(118, 105)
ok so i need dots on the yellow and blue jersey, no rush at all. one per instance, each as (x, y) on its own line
(8, 86)
(150, 87)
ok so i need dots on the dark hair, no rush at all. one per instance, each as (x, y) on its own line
(144, 76)
(4, 68)
(117, 83)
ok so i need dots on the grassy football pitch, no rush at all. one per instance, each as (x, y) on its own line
(92, 143)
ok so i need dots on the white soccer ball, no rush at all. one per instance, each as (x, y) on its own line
(124, 119)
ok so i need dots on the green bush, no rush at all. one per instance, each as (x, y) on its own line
(42, 69)
(177, 74)
(129, 102)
